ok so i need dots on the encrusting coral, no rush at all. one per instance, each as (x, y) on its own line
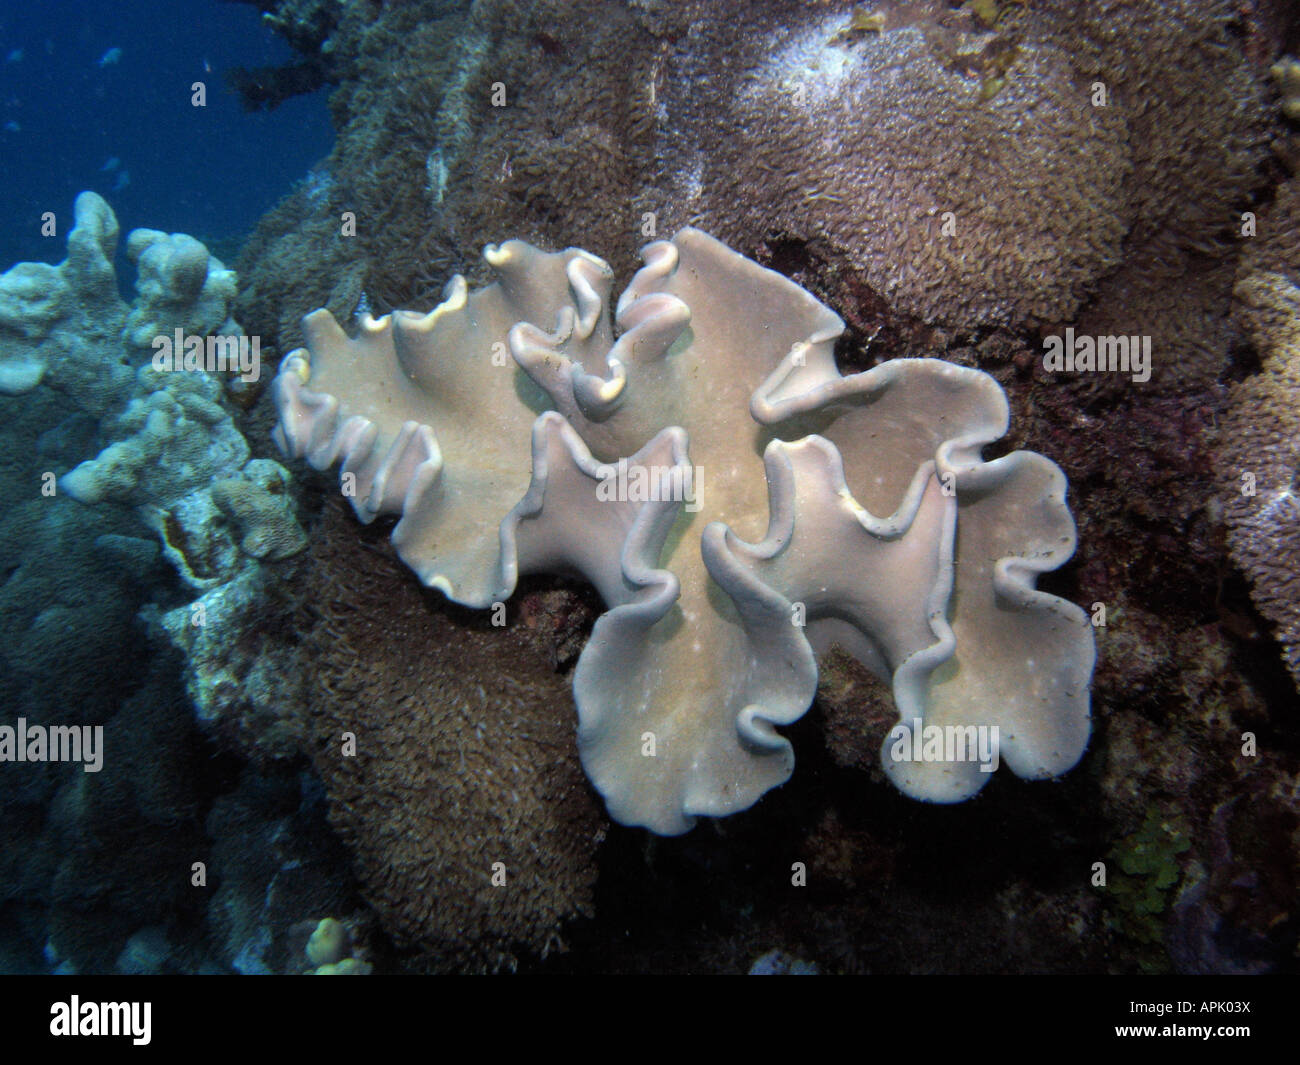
(256, 499)
(885, 531)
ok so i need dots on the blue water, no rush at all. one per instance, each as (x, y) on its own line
(74, 115)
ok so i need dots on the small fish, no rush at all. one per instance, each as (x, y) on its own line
(113, 55)
(16, 56)
(113, 163)
(123, 180)
(13, 127)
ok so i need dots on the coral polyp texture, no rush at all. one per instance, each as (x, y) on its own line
(1259, 448)
(736, 502)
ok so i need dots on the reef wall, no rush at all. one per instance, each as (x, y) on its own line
(955, 180)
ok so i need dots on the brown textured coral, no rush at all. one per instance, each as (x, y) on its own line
(1260, 436)
(966, 173)
(428, 165)
(457, 767)
(1195, 133)
(963, 173)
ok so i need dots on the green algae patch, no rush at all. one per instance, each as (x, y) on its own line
(1144, 870)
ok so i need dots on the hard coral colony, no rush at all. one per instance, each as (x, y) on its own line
(503, 448)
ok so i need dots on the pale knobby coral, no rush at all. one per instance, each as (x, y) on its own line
(60, 324)
(170, 448)
(66, 327)
(330, 951)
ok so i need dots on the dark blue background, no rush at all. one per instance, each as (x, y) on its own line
(210, 172)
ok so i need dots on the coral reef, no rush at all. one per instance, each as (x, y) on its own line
(597, 125)
(894, 163)
(274, 865)
(960, 180)
(695, 663)
(589, 148)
